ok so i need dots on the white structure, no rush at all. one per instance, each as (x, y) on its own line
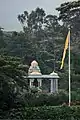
(34, 70)
(35, 77)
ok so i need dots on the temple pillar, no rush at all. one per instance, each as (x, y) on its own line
(52, 90)
(39, 82)
(56, 85)
(31, 83)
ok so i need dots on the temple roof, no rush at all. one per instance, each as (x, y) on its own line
(53, 73)
(34, 63)
(34, 69)
(44, 76)
(34, 72)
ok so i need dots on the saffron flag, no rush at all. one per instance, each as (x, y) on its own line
(65, 48)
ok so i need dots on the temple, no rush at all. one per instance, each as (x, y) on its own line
(36, 78)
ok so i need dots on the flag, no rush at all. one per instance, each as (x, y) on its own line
(65, 48)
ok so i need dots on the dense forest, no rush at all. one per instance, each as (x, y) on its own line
(42, 39)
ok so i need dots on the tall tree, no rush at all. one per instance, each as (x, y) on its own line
(69, 13)
(33, 29)
(32, 21)
(54, 38)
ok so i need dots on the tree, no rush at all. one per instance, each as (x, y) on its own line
(12, 82)
(69, 14)
(32, 21)
(54, 37)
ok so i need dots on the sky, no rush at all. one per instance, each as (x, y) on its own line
(9, 10)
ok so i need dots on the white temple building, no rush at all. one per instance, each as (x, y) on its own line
(36, 78)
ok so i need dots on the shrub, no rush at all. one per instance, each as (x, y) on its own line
(34, 90)
(40, 99)
(53, 113)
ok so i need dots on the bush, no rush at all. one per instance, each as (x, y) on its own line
(48, 99)
(53, 113)
(13, 114)
(43, 113)
(34, 90)
(40, 99)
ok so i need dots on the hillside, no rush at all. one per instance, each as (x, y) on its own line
(43, 39)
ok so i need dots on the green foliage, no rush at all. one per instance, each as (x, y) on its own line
(34, 90)
(34, 99)
(56, 113)
(40, 99)
(14, 113)
(11, 81)
(40, 33)
(34, 20)
(69, 14)
(76, 96)
(44, 113)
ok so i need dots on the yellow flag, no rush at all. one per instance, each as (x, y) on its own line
(65, 48)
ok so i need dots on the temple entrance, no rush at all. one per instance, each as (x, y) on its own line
(35, 83)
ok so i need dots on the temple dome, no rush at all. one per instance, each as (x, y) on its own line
(34, 69)
(34, 63)
(36, 73)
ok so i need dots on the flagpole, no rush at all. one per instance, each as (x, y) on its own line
(69, 73)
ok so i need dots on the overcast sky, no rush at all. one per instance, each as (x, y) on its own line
(9, 10)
